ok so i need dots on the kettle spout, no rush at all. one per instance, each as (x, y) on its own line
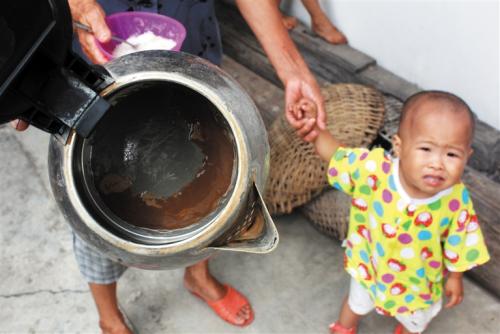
(261, 237)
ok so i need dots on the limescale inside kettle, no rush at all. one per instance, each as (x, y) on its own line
(160, 161)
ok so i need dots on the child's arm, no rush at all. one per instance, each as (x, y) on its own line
(326, 145)
(302, 117)
(454, 289)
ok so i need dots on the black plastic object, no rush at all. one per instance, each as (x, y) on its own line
(41, 80)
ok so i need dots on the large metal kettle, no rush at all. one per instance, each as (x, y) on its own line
(172, 76)
(141, 133)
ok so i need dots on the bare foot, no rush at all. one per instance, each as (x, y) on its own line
(114, 327)
(199, 281)
(326, 30)
(206, 286)
(111, 318)
(289, 22)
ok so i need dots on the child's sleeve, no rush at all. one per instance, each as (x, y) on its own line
(345, 167)
(464, 246)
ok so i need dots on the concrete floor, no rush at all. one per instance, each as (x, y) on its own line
(296, 289)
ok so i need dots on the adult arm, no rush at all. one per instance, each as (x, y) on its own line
(264, 19)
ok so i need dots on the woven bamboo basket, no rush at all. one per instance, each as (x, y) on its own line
(354, 114)
(329, 213)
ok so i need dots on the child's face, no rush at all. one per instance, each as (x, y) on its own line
(433, 147)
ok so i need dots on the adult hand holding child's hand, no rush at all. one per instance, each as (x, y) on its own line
(302, 117)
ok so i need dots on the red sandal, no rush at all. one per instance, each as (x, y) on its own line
(338, 328)
(228, 306)
(398, 329)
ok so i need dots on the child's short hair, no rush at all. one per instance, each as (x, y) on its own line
(454, 100)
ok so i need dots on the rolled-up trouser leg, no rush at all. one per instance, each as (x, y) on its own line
(94, 266)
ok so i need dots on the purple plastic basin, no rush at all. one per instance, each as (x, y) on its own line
(127, 24)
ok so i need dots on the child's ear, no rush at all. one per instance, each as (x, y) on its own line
(470, 153)
(396, 145)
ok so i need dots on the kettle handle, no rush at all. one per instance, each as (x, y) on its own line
(267, 236)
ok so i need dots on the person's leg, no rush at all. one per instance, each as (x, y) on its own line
(111, 320)
(289, 22)
(348, 320)
(199, 281)
(322, 25)
(102, 274)
(355, 305)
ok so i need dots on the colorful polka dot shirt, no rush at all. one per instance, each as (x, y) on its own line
(397, 247)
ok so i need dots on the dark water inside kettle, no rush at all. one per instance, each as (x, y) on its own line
(162, 158)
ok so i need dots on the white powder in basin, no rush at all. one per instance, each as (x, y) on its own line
(145, 41)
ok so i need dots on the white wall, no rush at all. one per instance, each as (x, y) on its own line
(449, 45)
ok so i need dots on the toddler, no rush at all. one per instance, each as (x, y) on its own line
(412, 229)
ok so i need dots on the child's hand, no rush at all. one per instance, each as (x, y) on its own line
(454, 290)
(302, 117)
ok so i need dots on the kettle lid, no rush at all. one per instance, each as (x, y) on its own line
(41, 81)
